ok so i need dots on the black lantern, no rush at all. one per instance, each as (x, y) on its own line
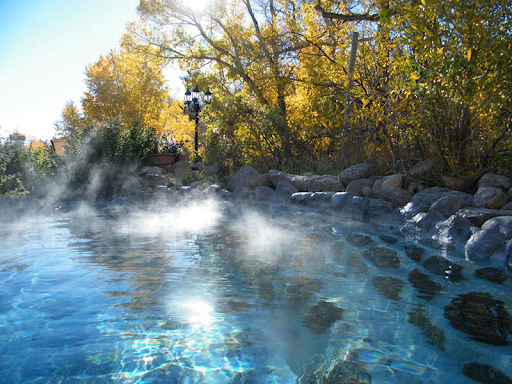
(193, 106)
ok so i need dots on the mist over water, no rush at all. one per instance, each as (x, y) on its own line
(202, 290)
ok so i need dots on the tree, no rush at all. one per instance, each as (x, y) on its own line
(126, 85)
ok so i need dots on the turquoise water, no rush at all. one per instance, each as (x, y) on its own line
(207, 293)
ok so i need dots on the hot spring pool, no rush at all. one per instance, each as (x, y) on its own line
(210, 293)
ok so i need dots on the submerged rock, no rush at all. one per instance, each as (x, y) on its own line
(424, 284)
(389, 286)
(388, 239)
(414, 252)
(357, 266)
(359, 240)
(493, 274)
(487, 374)
(382, 257)
(321, 316)
(444, 267)
(482, 317)
(435, 335)
(336, 371)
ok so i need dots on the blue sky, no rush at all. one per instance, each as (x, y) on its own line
(44, 48)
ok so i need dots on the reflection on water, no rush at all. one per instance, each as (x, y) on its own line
(207, 293)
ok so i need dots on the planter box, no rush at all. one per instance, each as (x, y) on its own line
(161, 160)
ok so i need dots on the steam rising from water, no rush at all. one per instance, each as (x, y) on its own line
(263, 239)
(193, 217)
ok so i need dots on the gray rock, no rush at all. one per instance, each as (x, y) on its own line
(181, 168)
(382, 257)
(356, 187)
(325, 183)
(421, 169)
(367, 191)
(487, 374)
(184, 190)
(443, 267)
(210, 170)
(151, 170)
(490, 197)
(358, 171)
(393, 181)
(446, 205)
(322, 198)
(482, 245)
(455, 230)
(277, 176)
(214, 189)
(453, 183)
(341, 199)
(501, 224)
(507, 207)
(225, 194)
(495, 181)
(248, 177)
(424, 284)
(423, 222)
(480, 316)
(429, 196)
(301, 198)
(284, 190)
(415, 187)
(242, 192)
(157, 180)
(396, 196)
(478, 216)
(263, 193)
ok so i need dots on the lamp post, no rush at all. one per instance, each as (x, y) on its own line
(194, 103)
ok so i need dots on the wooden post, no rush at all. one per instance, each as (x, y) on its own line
(351, 65)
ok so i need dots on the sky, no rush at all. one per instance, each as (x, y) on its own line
(45, 46)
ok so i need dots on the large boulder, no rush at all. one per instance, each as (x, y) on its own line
(356, 186)
(421, 169)
(454, 230)
(248, 177)
(341, 199)
(284, 190)
(393, 181)
(429, 196)
(490, 197)
(447, 205)
(263, 193)
(325, 183)
(495, 181)
(482, 317)
(478, 216)
(181, 168)
(491, 240)
(358, 171)
(242, 192)
(396, 196)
